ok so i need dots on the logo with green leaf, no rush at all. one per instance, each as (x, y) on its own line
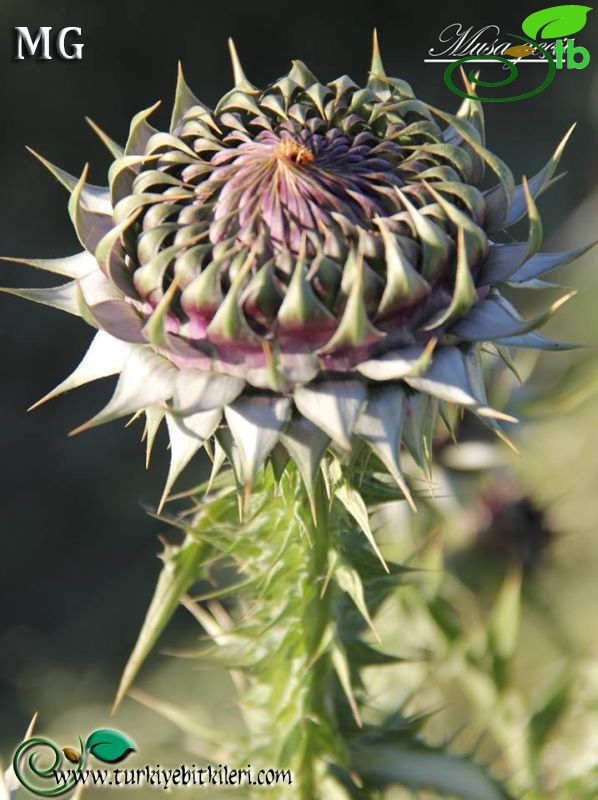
(104, 744)
(556, 22)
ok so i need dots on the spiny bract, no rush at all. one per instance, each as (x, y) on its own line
(300, 266)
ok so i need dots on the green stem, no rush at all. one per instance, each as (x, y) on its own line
(284, 628)
(316, 620)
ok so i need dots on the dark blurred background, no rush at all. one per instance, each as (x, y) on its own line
(77, 552)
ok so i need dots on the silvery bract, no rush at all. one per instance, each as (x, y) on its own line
(305, 266)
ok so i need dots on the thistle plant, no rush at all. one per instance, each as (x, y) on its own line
(305, 283)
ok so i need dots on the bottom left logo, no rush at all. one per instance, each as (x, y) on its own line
(30, 762)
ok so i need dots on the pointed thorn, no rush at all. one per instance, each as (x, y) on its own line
(84, 427)
(163, 500)
(135, 417)
(376, 66)
(15, 259)
(409, 498)
(31, 727)
(238, 74)
(68, 181)
(114, 148)
(37, 155)
(314, 511)
(469, 86)
(564, 299)
(504, 438)
(41, 401)
(494, 414)
(76, 431)
(246, 499)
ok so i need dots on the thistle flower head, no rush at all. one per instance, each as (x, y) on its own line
(303, 266)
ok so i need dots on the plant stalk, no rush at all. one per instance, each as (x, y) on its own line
(316, 620)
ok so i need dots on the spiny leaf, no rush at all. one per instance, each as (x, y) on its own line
(190, 724)
(354, 503)
(349, 581)
(341, 667)
(389, 763)
(179, 572)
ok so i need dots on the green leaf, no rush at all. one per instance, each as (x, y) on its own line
(547, 716)
(343, 672)
(419, 769)
(504, 621)
(109, 746)
(349, 581)
(179, 572)
(355, 505)
(189, 722)
(290, 745)
(555, 22)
